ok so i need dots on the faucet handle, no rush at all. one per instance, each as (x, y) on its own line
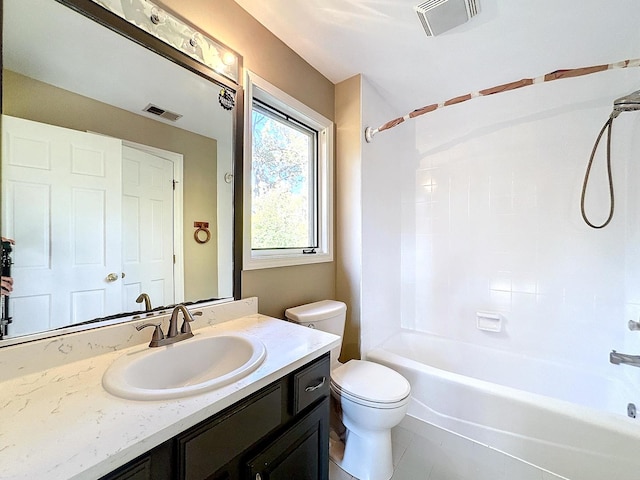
(157, 333)
(186, 328)
(633, 325)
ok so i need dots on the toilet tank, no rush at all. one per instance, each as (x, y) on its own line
(326, 315)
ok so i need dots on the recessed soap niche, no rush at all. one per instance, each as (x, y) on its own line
(489, 321)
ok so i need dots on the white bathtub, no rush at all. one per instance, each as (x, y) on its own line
(567, 421)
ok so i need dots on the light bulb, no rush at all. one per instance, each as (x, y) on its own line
(157, 17)
(228, 58)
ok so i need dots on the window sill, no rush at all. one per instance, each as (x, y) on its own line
(275, 261)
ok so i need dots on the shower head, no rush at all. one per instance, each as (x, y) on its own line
(628, 103)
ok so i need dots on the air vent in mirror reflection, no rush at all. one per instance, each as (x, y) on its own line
(161, 112)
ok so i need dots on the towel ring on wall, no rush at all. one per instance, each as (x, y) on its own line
(201, 227)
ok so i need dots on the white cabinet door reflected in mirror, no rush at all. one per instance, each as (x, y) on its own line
(68, 267)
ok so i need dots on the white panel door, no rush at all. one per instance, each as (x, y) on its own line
(147, 242)
(63, 206)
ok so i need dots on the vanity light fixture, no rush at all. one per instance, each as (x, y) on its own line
(177, 34)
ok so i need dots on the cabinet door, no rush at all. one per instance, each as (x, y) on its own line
(300, 453)
(140, 470)
(205, 450)
(154, 465)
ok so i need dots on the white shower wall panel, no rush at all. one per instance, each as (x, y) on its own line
(384, 167)
(491, 221)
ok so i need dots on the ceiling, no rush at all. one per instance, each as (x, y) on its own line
(508, 40)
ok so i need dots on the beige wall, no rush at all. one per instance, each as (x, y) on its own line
(281, 288)
(268, 57)
(349, 209)
(27, 98)
(263, 53)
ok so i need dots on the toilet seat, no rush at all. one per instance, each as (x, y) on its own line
(342, 395)
(370, 384)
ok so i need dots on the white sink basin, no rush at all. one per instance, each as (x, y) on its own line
(185, 368)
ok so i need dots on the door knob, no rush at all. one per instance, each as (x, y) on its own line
(112, 277)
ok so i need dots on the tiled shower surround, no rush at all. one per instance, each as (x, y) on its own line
(488, 193)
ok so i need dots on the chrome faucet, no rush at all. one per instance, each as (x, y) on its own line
(159, 339)
(622, 358)
(143, 297)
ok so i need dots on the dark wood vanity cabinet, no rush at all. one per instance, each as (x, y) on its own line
(280, 432)
(300, 453)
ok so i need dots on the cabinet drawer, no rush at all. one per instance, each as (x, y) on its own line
(311, 384)
(210, 447)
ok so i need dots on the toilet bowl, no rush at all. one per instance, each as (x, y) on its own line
(371, 398)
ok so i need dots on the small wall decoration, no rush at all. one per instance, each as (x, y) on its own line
(202, 233)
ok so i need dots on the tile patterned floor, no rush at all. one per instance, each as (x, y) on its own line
(424, 452)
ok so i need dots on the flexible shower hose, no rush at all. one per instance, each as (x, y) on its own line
(606, 126)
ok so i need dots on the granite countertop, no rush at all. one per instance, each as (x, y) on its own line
(60, 423)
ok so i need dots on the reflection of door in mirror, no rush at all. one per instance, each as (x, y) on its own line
(103, 256)
(147, 229)
(47, 169)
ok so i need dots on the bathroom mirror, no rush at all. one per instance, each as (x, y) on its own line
(107, 194)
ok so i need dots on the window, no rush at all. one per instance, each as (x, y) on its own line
(288, 180)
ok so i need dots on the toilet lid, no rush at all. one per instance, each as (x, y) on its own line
(370, 381)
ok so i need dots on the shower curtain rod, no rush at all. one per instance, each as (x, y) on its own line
(525, 82)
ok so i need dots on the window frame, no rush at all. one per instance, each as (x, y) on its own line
(281, 102)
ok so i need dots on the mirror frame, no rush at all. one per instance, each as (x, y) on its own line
(106, 18)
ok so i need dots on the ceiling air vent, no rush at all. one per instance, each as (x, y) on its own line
(438, 16)
(161, 112)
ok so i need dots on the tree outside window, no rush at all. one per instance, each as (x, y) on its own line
(282, 182)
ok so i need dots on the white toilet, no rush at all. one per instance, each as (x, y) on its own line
(373, 398)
